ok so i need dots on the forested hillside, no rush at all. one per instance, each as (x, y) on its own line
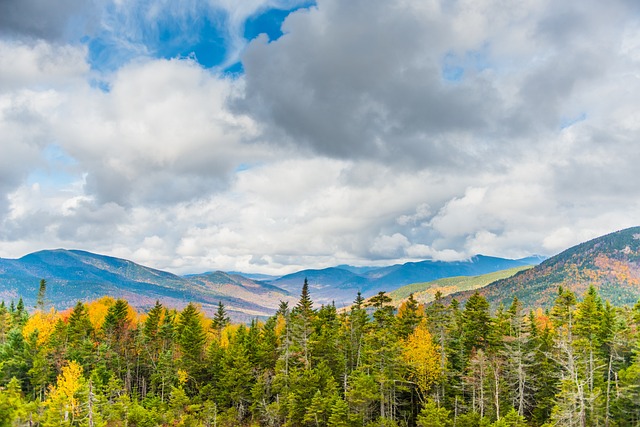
(610, 263)
(425, 292)
(103, 364)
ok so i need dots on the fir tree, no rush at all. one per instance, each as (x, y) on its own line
(220, 319)
(40, 299)
(191, 340)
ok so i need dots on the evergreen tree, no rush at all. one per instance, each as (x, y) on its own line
(40, 299)
(476, 324)
(304, 307)
(191, 342)
(302, 318)
(220, 319)
(434, 416)
(339, 414)
(409, 316)
(79, 337)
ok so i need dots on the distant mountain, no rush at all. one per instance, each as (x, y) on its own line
(341, 285)
(74, 275)
(611, 263)
(425, 292)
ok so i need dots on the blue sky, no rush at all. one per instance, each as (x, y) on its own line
(362, 132)
(203, 33)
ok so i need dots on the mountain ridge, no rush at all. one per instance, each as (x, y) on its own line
(75, 275)
(339, 285)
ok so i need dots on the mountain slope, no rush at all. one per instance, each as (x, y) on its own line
(77, 275)
(425, 292)
(611, 263)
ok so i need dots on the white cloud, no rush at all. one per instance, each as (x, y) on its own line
(346, 141)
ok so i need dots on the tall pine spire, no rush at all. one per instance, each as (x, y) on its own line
(305, 304)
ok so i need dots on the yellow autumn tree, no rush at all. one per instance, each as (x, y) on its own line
(64, 403)
(42, 323)
(422, 360)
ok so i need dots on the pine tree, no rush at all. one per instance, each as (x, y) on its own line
(79, 336)
(191, 341)
(116, 321)
(409, 316)
(220, 319)
(476, 323)
(302, 317)
(304, 307)
(80, 326)
(339, 414)
(40, 299)
(236, 379)
(434, 416)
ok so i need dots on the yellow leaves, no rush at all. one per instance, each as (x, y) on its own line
(281, 325)
(64, 396)
(43, 323)
(98, 309)
(405, 306)
(227, 333)
(422, 359)
(183, 377)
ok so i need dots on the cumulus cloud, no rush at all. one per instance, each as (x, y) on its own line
(160, 135)
(429, 84)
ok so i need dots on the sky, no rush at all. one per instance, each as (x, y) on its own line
(268, 136)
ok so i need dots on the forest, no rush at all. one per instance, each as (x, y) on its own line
(101, 363)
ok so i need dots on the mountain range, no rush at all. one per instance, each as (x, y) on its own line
(340, 284)
(74, 275)
(611, 263)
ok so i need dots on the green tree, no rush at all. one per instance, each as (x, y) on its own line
(409, 316)
(191, 342)
(220, 319)
(476, 323)
(433, 415)
(339, 414)
(40, 299)
(302, 318)
(11, 401)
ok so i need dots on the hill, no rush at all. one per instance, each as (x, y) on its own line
(610, 263)
(78, 275)
(425, 292)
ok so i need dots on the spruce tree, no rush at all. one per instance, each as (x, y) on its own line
(302, 318)
(220, 319)
(409, 316)
(191, 340)
(304, 307)
(40, 299)
(476, 323)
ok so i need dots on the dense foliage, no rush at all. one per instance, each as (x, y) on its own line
(103, 364)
